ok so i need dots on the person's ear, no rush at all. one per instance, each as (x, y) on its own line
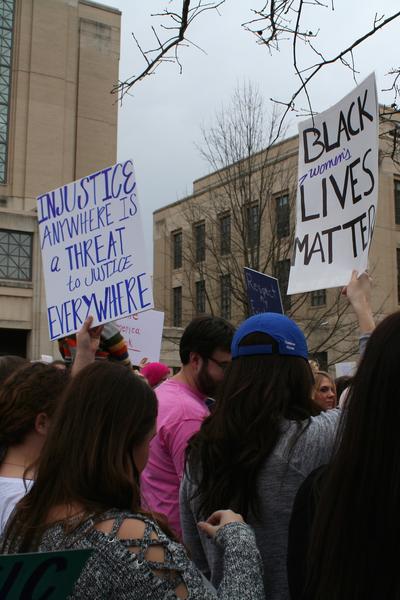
(42, 424)
(195, 361)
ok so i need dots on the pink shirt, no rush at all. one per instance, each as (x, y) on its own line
(181, 411)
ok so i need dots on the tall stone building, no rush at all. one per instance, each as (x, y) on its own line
(58, 121)
(243, 215)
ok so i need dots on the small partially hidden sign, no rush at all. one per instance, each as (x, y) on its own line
(263, 292)
(49, 575)
(143, 334)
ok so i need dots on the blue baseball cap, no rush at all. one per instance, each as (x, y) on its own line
(288, 336)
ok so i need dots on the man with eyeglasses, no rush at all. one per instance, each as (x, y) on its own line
(183, 402)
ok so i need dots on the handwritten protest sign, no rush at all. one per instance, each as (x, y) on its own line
(92, 242)
(143, 334)
(50, 575)
(263, 292)
(337, 192)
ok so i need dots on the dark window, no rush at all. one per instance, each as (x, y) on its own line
(397, 201)
(6, 34)
(177, 249)
(282, 274)
(282, 216)
(200, 241)
(253, 225)
(225, 234)
(15, 255)
(318, 298)
(225, 283)
(322, 359)
(177, 306)
(398, 275)
(200, 297)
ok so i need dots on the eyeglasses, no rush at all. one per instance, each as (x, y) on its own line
(222, 365)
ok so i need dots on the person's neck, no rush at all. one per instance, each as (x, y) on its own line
(185, 376)
(19, 459)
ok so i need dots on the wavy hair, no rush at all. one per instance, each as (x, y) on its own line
(257, 394)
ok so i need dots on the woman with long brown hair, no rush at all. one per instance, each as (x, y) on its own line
(87, 495)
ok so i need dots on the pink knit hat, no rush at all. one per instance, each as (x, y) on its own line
(154, 372)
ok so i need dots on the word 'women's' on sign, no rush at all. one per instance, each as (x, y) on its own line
(337, 192)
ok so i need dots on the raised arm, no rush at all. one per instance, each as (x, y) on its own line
(87, 342)
(358, 292)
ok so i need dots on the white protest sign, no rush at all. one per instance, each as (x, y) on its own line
(337, 192)
(345, 368)
(92, 242)
(143, 334)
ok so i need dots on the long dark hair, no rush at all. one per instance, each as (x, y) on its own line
(87, 458)
(355, 541)
(257, 394)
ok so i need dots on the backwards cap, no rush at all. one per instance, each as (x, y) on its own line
(288, 336)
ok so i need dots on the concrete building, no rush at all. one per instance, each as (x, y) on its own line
(202, 243)
(58, 121)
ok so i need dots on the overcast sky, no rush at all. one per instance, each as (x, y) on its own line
(159, 124)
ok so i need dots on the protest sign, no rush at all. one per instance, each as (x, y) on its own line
(50, 575)
(337, 192)
(143, 334)
(93, 253)
(263, 292)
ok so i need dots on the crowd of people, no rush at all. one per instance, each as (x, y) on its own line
(249, 474)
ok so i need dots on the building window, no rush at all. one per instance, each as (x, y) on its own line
(282, 274)
(177, 249)
(398, 275)
(282, 216)
(225, 283)
(15, 255)
(200, 297)
(6, 34)
(253, 225)
(318, 298)
(225, 234)
(322, 359)
(397, 201)
(200, 241)
(177, 306)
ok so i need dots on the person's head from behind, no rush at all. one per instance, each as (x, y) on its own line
(155, 373)
(96, 449)
(28, 400)
(204, 351)
(9, 364)
(324, 395)
(268, 381)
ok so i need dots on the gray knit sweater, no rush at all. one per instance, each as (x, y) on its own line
(115, 572)
(278, 481)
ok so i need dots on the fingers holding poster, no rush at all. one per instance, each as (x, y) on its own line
(93, 254)
(337, 192)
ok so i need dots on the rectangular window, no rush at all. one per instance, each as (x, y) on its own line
(225, 234)
(15, 255)
(200, 297)
(6, 36)
(398, 274)
(200, 241)
(282, 274)
(322, 359)
(177, 306)
(282, 216)
(253, 225)
(225, 284)
(318, 298)
(397, 201)
(177, 249)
